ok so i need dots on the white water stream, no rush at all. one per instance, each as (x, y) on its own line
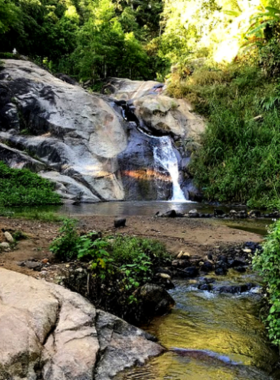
(165, 156)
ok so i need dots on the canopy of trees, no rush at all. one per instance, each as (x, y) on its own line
(92, 39)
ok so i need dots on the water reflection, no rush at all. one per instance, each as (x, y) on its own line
(149, 208)
(130, 208)
(227, 326)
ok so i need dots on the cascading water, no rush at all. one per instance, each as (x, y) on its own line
(165, 156)
(163, 152)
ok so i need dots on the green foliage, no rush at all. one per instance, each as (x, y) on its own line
(9, 15)
(7, 55)
(239, 158)
(19, 235)
(19, 187)
(123, 263)
(43, 216)
(65, 246)
(132, 258)
(109, 50)
(267, 263)
(88, 40)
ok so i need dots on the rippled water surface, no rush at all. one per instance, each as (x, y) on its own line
(209, 337)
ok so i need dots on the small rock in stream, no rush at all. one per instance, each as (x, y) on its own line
(205, 287)
(240, 269)
(234, 289)
(190, 272)
(221, 271)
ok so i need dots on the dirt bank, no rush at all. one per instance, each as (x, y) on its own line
(195, 236)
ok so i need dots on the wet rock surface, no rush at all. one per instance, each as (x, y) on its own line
(220, 214)
(218, 261)
(51, 333)
(154, 300)
(141, 180)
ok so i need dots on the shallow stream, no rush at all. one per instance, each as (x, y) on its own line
(210, 336)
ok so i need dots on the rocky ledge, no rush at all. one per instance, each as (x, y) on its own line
(48, 332)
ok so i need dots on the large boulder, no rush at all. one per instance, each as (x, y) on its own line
(160, 114)
(164, 115)
(76, 133)
(126, 89)
(51, 333)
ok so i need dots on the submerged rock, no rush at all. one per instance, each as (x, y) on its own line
(153, 300)
(233, 289)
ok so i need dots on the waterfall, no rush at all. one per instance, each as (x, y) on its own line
(165, 156)
(163, 152)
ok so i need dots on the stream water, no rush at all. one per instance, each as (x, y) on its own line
(210, 336)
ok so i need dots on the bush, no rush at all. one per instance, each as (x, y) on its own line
(267, 263)
(7, 55)
(118, 265)
(65, 246)
(21, 187)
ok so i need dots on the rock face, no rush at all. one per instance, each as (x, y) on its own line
(158, 115)
(142, 180)
(81, 141)
(51, 333)
(162, 114)
(67, 129)
(127, 89)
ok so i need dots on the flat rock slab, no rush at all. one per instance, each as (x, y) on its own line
(50, 332)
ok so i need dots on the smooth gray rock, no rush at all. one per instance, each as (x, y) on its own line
(19, 160)
(126, 89)
(49, 125)
(68, 188)
(68, 129)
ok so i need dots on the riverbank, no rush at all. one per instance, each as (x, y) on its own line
(200, 310)
(196, 237)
